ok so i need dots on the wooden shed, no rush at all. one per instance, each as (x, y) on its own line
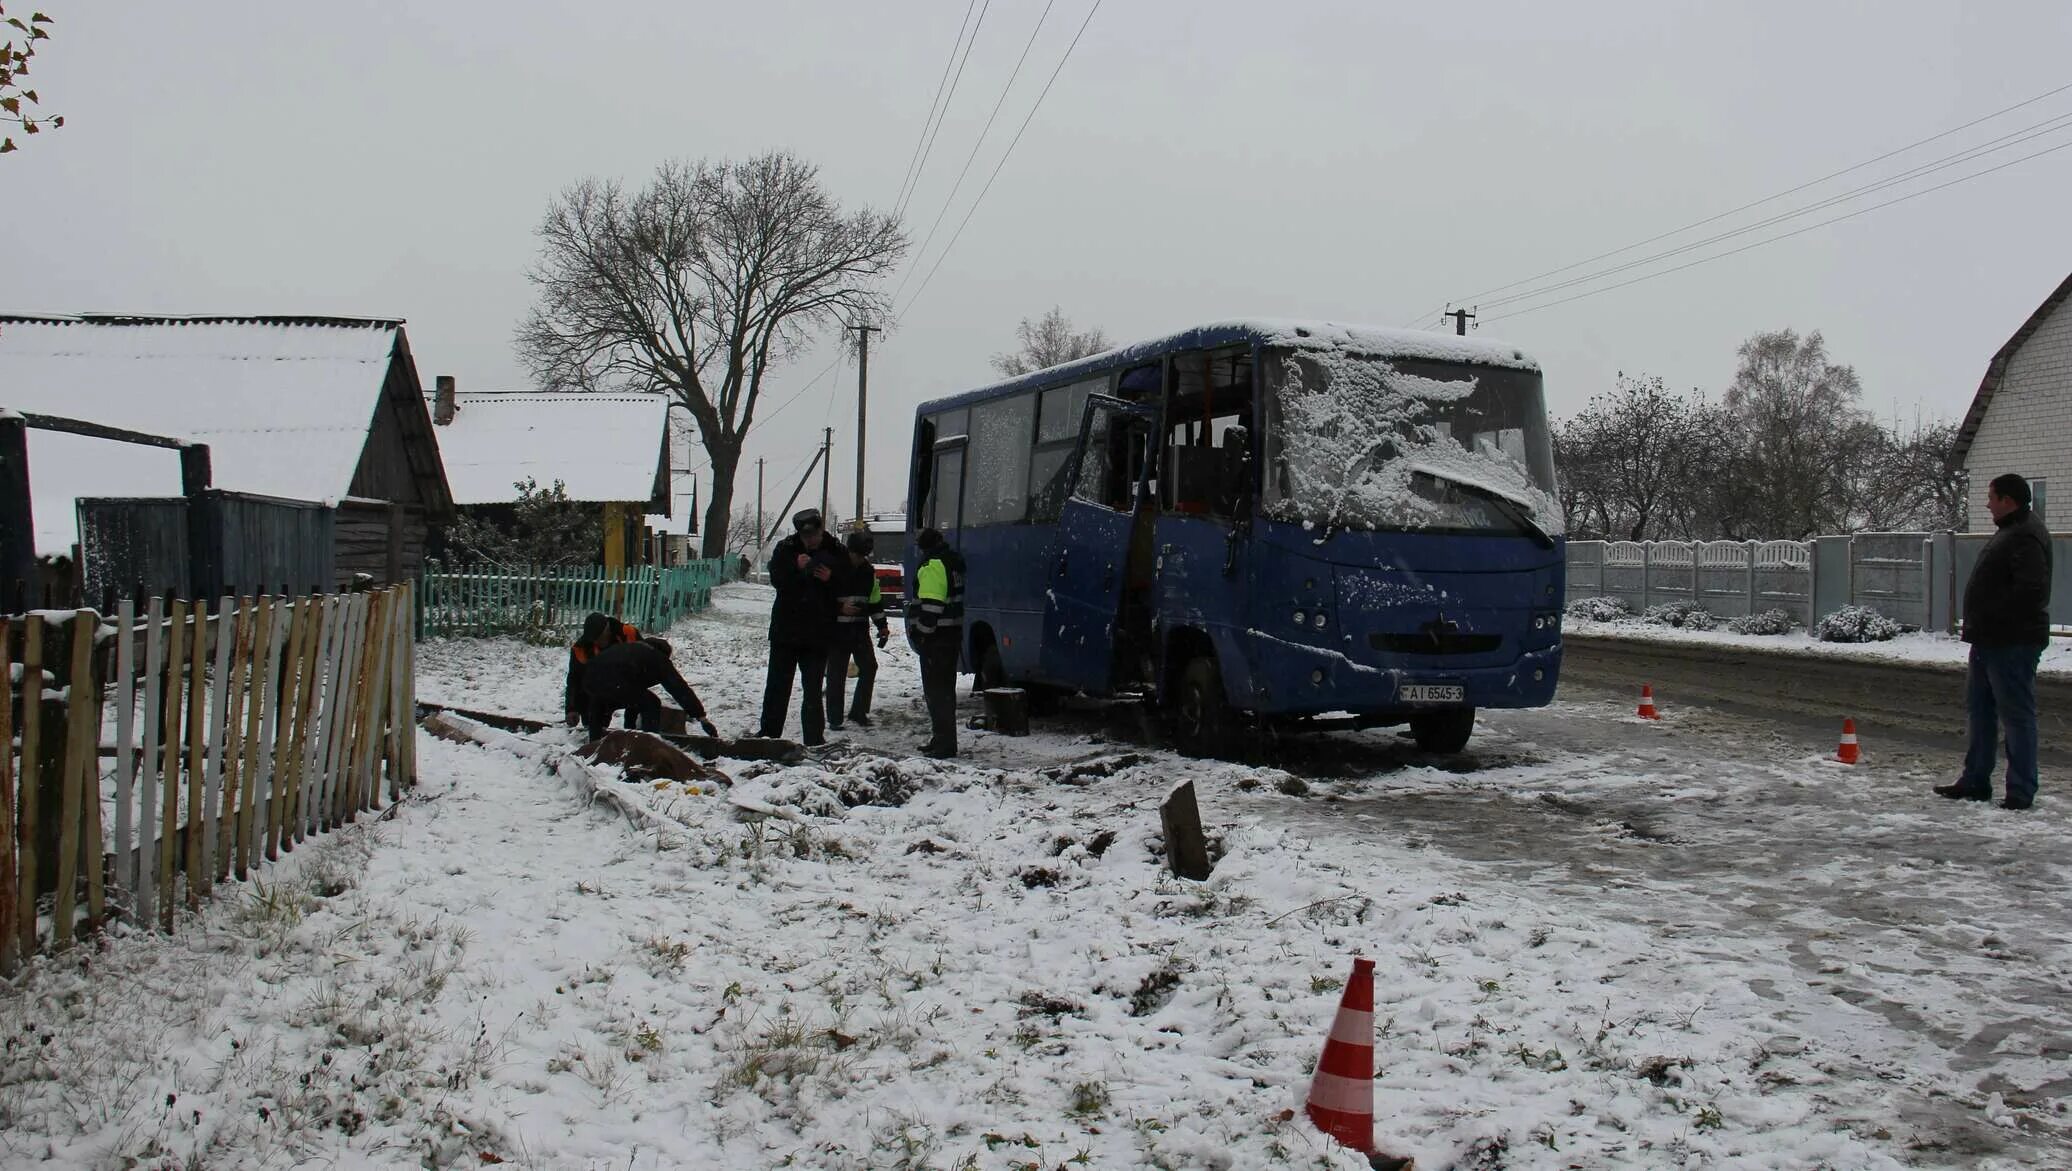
(321, 409)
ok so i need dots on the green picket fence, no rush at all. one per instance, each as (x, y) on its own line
(549, 604)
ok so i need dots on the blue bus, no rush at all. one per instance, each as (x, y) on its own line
(1312, 523)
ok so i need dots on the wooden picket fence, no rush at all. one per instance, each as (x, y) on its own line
(236, 735)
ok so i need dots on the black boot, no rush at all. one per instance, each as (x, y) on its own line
(1962, 792)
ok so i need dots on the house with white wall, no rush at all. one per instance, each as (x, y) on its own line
(2021, 418)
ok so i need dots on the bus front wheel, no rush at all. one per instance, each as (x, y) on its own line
(1201, 715)
(1446, 731)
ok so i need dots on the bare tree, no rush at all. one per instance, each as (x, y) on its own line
(16, 51)
(1623, 458)
(1048, 341)
(697, 285)
(1801, 435)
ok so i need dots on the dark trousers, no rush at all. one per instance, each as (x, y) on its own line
(2000, 693)
(809, 663)
(939, 686)
(643, 710)
(851, 644)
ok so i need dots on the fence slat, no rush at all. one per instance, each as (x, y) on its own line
(146, 880)
(307, 734)
(260, 843)
(402, 717)
(10, 894)
(366, 792)
(219, 697)
(28, 875)
(125, 730)
(248, 765)
(197, 748)
(317, 787)
(90, 778)
(168, 835)
(337, 783)
(82, 740)
(406, 727)
(233, 682)
(282, 735)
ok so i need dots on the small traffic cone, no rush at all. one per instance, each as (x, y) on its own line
(1848, 753)
(1647, 703)
(1341, 1095)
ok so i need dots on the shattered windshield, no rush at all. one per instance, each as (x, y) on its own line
(1364, 442)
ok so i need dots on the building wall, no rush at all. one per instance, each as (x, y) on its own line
(365, 544)
(2028, 424)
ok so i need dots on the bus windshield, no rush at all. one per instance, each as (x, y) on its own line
(1366, 442)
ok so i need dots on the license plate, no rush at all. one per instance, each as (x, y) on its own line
(1430, 693)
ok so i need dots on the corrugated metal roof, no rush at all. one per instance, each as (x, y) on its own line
(603, 448)
(284, 402)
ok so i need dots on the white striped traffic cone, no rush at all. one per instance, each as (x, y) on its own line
(1341, 1095)
(1647, 703)
(1848, 753)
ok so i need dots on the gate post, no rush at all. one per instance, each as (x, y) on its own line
(17, 519)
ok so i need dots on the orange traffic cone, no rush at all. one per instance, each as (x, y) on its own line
(1848, 753)
(1647, 704)
(1341, 1096)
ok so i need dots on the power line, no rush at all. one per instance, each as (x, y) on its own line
(1779, 195)
(959, 234)
(976, 144)
(1785, 235)
(943, 116)
(900, 200)
(1969, 154)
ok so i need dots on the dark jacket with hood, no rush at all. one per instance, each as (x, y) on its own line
(2007, 598)
(599, 631)
(804, 614)
(620, 672)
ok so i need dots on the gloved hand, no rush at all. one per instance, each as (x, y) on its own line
(884, 635)
(710, 730)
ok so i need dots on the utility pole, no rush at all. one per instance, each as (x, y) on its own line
(863, 383)
(1461, 317)
(827, 447)
(758, 510)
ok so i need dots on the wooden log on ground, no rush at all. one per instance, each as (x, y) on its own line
(1187, 847)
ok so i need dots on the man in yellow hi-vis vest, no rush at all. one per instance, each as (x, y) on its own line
(935, 625)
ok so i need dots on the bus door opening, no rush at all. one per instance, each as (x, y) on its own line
(1097, 611)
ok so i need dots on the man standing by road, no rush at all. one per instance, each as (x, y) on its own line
(860, 602)
(802, 624)
(935, 625)
(2007, 623)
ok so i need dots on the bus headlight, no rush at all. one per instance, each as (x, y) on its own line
(1299, 617)
(1317, 622)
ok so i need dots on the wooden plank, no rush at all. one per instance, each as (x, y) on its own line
(212, 791)
(402, 723)
(197, 749)
(256, 682)
(10, 893)
(168, 831)
(82, 731)
(26, 873)
(233, 733)
(90, 779)
(349, 679)
(409, 728)
(265, 832)
(363, 704)
(306, 736)
(313, 785)
(287, 785)
(145, 882)
(1187, 848)
(375, 706)
(125, 732)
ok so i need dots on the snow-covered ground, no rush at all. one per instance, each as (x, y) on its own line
(1918, 647)
(1600, 943)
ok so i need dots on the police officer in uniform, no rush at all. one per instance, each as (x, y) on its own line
(859, 604)
(935, 626)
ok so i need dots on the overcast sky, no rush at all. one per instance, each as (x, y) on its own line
(1359, 161)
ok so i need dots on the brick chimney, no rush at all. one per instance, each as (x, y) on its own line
(443, 405)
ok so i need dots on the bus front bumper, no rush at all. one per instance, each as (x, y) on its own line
(1292, 679)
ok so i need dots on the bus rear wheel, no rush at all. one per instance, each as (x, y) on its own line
(1200, 714)
(1446, 731)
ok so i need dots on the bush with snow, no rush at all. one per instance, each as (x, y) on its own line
(1856, 624)
(1599, 609)
(1682, 615)
(1767, 622)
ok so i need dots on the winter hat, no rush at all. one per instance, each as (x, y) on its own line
(930, 539)
(861, 544)
(806, 520)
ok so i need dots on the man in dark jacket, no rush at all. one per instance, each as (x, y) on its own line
(624, 675)
(599, 632)
(935, 625)
(859, 603)
(802, 625)
(2007, 623)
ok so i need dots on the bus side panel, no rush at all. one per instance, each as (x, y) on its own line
(1004, 590)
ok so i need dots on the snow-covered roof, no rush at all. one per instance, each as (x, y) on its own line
(603, 448)
(1362, 339)
(284, 403)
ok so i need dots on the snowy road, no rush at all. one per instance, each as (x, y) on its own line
(1600, 944)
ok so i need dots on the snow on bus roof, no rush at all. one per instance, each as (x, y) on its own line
(1364, 339)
